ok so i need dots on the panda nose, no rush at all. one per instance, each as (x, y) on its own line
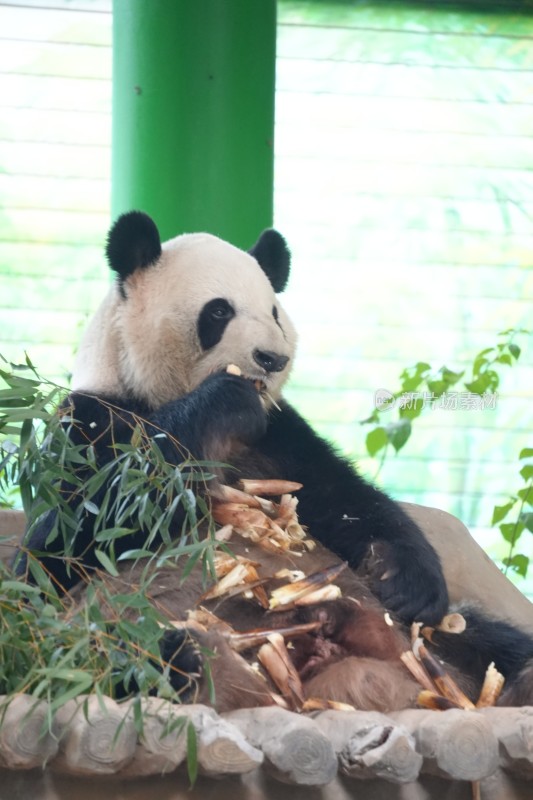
(270, 362)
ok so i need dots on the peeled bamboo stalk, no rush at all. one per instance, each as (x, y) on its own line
(291, 592)
(434, 701)
(451, 623)
(292, 574)
(417, 670)
(269, 487)
(268, 506)
(224, 533)
(319, 704)
(247, 639)
(326, 593)
(225, 563)
(240, 515)
(235, 577)
(444, 682)
(257, 590)
(275, 659)
(286, 510)
(492, 687)
(230, 494)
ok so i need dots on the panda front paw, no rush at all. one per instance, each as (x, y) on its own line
(232, 408)
(409, 582)
(181, 655)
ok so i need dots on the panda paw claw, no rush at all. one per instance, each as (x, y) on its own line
(413, 590)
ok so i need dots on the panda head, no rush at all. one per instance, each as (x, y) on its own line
(184, 309)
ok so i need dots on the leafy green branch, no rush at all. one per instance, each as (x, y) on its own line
(419, 386)
(522, 505)
(423, 387)
(56, 648)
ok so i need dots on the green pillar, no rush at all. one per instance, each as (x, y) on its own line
(193, 114)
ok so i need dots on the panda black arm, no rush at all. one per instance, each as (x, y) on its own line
(223, 409)
(347, 514)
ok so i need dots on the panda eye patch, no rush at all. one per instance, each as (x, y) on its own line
(212, 322)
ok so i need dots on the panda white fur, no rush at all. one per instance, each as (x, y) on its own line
(158, 347)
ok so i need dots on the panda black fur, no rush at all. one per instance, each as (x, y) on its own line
(158, 348)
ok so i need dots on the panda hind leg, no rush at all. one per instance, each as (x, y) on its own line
(486, 640)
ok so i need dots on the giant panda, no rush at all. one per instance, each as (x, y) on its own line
(157, 349)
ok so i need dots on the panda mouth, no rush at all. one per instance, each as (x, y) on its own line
(264, 394)
(261, 388)
(259, 384)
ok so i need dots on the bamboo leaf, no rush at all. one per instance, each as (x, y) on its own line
(109, 534)
(91, 507)
(192, 753)
(106, 562)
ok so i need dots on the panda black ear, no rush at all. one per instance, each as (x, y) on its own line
(132, 243)
(274, 257)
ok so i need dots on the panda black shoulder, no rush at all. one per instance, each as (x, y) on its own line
(132, 243)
